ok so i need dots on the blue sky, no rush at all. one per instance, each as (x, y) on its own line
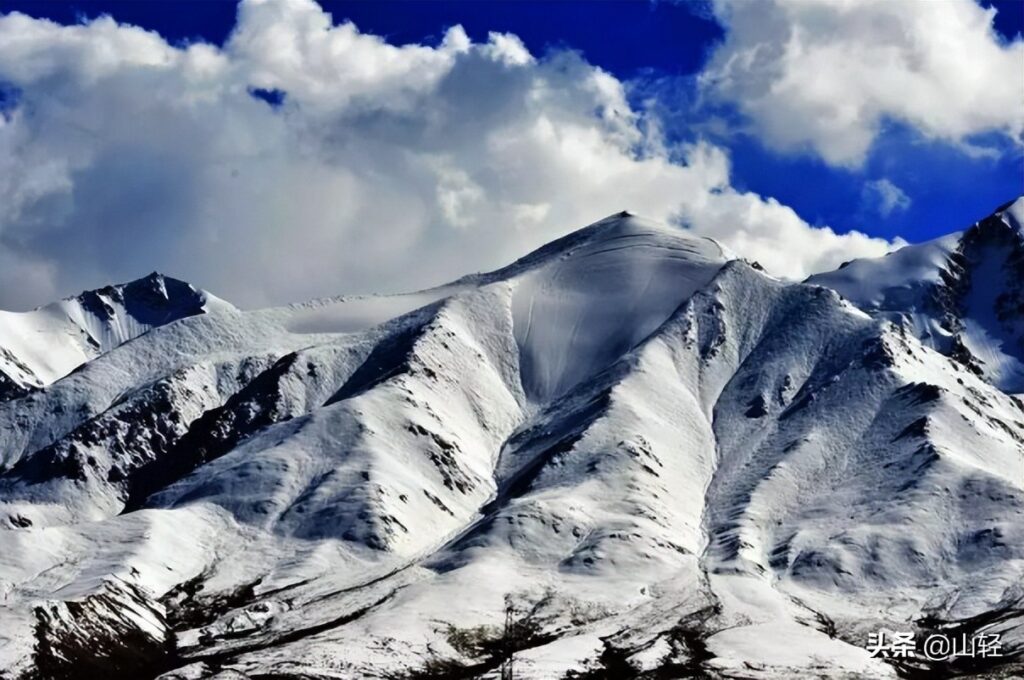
(921, 176)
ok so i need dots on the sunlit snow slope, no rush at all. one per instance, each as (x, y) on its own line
(626, 455)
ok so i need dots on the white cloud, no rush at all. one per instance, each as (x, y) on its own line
(884, 197)
(774, 235)
(826, 75)
(507, 48)
(385, 168)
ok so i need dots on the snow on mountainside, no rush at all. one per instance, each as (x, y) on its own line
(625, 455)
(45, 344)
(962, 294)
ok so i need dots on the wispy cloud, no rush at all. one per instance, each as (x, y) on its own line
(884, 197)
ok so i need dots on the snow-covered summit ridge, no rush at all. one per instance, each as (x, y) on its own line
(622, 230)
(962, 294)
(42, 345)
(583, 301)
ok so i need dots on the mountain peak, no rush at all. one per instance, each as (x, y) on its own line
(1012, 214)
(153, 299)
(623, 232)
(587, 298)
(154, 282)
(962, 294)
(81, 327)
(1002, 225)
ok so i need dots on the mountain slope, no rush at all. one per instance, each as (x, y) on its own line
(624, 454)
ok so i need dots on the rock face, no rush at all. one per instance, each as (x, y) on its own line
(625, 455)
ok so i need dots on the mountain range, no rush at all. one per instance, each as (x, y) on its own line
(629, 454)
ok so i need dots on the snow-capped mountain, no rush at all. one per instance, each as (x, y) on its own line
(628, 454)
(962, 294)
(45, 344)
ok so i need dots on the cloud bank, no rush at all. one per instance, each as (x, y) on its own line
(379, 167)
(827, 76)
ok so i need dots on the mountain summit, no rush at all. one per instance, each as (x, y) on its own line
(626, 455)
(45, 344)
(962, 294)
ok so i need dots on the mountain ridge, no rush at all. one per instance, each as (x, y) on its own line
(928, 287)
(651, 459)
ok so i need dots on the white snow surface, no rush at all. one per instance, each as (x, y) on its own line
(644, 453)
(40, 346)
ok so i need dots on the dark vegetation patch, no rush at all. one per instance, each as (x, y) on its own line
(485, 648)
(686, 659)
(94, 638)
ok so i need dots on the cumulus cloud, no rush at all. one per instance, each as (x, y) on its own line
(775, 236)
(382, 168)
(826, 75)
